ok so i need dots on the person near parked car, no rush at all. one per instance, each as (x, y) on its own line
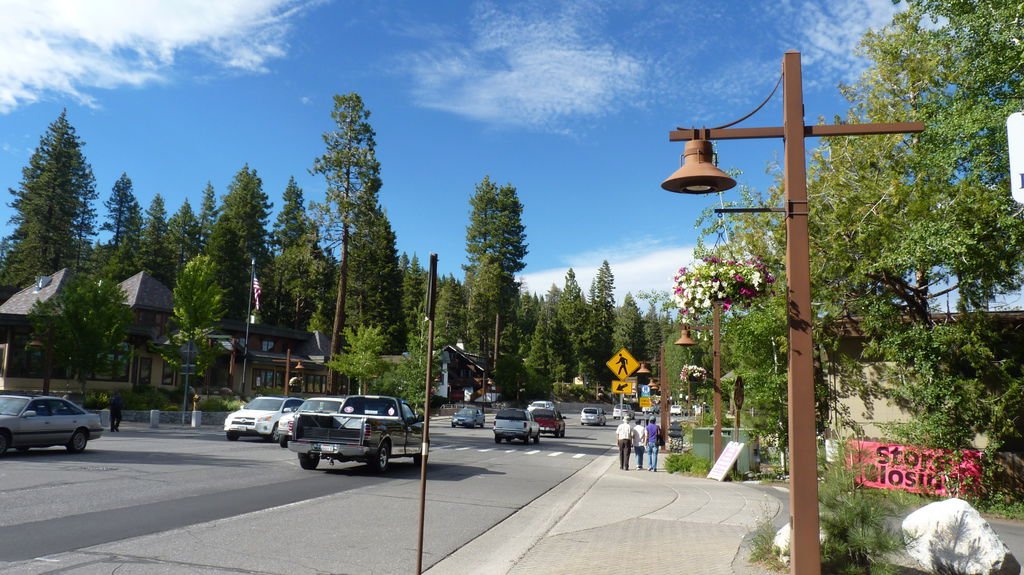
(639, 442)
(653, 436)
(624, 437)
(116, 404)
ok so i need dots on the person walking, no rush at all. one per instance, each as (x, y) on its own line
(116, 404)
(653, 433)
(624, 437)
(639, 441)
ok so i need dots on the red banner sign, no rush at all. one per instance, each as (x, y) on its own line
(915, 469)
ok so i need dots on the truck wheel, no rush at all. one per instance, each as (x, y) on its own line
(379, 462)
(232, 435)
(283, 441)
(417, 459)
(536, 438)
(307, 461)
(497, 439)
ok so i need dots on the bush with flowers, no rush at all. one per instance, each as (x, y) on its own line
(731, 282)
(694, 372)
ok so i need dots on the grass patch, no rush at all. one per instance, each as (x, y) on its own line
(687, 464)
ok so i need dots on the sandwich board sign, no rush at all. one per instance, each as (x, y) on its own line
(1015, 139)
(725, 461)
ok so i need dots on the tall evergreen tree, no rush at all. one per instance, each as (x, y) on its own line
(630, 331)
(209, 213)
(292, 224)
(600, 321)
(572, 312)
(184, 235)
(450, 320)
(352, 171)
(239, 237)
(53, 215)
(155, 250)
(414, 293)
(375, 287)
(119, 258)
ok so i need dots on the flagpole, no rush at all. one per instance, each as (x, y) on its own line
(248, 316)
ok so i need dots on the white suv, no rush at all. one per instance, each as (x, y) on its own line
(541, 405)
(259, 417)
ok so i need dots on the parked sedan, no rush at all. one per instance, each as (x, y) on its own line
(550, 421)
(468, 417)
(45, 421)
(592, 416)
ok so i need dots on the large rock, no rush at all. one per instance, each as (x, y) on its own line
(781, 541)
(952, 537)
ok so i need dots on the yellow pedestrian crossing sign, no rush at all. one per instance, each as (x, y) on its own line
(625, 387)
(622, 364)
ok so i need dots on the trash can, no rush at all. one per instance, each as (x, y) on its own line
(749, 459)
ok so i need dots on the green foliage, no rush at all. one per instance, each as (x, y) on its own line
(87, 321)
(854, 521)
(156, 255)
(362, 361)
(53, 216)
(220, 404)
(569, 392)
(198, 308)
(687, 464)
(142, 399)
(762, 544)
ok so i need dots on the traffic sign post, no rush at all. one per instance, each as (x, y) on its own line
(622, 364)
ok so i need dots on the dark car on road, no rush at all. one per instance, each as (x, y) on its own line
(44, 421)
(468, 417)
(550, 421)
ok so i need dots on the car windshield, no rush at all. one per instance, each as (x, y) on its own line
(513, 414)
(321, 405)
(12, 405)
(466, 411)
(590, 411)
(543, 414)
(264, 404)
(540, 404)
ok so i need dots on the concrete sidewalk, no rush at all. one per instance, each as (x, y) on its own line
(604, 520)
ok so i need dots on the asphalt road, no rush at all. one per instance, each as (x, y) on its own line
(179, 501)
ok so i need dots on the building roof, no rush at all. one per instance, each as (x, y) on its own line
(143, 291)
(44, 288)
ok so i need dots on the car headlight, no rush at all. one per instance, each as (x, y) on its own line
(265, 418)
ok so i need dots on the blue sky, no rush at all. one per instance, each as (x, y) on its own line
(570, 102)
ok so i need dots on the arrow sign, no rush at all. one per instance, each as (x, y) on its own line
(624, 387)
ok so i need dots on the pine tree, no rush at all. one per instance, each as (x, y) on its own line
(184, 235)
(155, 253)
(414, 294)
(53, 214)
(450, 323)
(292, 224)
(600, 321)
(119, 259)
(239, 237)
(375, 286)
(209, 213)
(351, 168)
(630, 331)
(572, 310)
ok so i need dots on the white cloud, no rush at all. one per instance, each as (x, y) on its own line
(69, 47)
(645, 265)
(530, 68)
(831, 31)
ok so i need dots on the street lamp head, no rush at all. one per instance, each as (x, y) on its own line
(643, 370)
(698, 174)
(684, 339)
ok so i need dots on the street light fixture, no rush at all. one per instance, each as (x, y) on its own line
(716, 355)
(803, 493)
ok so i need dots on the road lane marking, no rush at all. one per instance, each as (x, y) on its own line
(578, 455)
(461, 448)
(485, 450)
(532, 452)
(555, 454)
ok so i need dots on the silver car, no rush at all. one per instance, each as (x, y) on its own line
(468, 417)
(45, 421)
(592, 416)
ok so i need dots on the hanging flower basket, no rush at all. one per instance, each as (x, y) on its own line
(713, 280)
(693, 373)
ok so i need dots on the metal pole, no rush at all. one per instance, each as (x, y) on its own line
(248, 312)
(425, 446)
(805, 551)
(716, 352)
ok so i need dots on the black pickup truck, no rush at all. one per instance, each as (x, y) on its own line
(369, 428)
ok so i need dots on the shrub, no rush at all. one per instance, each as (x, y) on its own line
(220, 404)
(762, 545)
(854, 521)
(687, 463)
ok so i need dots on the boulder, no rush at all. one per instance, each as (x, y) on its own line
(780, 544)
(952, 537)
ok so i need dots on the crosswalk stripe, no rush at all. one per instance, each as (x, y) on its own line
(485, 450)
(577, 456)
(555, 454)
(533, 452)
(461, 448)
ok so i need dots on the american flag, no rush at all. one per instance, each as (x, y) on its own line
(256, 291)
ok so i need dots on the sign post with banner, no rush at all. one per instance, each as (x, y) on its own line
(1015, 140)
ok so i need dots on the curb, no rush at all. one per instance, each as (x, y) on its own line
(497, 550)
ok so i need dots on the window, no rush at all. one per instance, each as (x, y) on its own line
(267, 345)
(268, 378)
(144, 375)
(168, 376)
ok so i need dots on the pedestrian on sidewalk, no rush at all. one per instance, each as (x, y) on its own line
(116, 404)
(639, 441)
(624, 437)
(653, 433)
